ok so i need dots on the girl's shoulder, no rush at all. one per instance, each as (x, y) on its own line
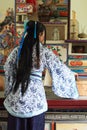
(15, 50)
(47, 50)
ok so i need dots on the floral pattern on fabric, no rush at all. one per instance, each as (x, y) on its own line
(63, 79)
(34, 100)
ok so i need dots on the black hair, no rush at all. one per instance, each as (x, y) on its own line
(25, 60)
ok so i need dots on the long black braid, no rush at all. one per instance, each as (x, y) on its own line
(25, 60)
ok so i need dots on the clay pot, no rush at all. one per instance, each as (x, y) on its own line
(82, 35)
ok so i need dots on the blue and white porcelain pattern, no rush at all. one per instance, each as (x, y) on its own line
(34, 101)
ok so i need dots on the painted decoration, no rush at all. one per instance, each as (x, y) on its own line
(7, 38)
(23, 7)
(78, 63)
(7, 30)
(61, 50)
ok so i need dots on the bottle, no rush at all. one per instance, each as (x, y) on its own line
(56, 34)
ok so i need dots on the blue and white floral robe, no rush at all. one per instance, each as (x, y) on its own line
(34, 100)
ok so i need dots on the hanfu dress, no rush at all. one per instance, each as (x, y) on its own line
(34, 101)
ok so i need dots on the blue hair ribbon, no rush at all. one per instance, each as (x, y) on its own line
(35, 30)
(22, 41)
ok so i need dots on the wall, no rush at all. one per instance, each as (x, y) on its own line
(80, 6)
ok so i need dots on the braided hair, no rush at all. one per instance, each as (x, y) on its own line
(25, 59)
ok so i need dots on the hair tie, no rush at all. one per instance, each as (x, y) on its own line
(35, 30)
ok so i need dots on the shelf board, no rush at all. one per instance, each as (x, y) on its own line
(76, 41)
(67, 104)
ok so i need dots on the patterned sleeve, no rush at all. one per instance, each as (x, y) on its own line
(63, 79)
(10, 71)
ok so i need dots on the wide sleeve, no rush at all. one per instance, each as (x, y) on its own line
(10, 71)
(63, 79)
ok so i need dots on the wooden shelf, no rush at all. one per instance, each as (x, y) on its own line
(76, 41)
(66, 104)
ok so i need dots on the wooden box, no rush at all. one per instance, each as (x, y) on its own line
(53, 28)
(82, 87)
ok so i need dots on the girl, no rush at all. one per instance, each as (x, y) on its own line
(25, 95)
